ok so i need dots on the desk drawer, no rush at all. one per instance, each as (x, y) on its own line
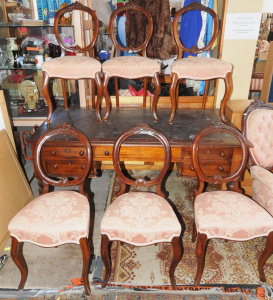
(63, 152)
(61, 167)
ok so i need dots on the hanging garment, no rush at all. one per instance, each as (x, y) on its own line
(191, 24)
(160, 45)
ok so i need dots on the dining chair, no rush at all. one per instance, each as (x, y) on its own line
(228, 214)
(130, 67)
(140, 218)
(74, 66)
(198, 67)
(59, 217)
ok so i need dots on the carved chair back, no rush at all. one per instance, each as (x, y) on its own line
(141, 129)
(149, 30)
(191, 7)
(93, 28)
(63, 129)
(232, 177)
(257, 127)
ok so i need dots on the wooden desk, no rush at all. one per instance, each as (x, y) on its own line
(63, 156)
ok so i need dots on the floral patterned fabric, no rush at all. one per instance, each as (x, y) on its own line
(259, 128)
(140, 218)
(131, 67)
(262, 187)
(72, 67)
(230, 215)
(52, 219)
(201, 68)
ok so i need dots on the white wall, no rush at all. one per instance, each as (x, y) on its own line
(268, 6)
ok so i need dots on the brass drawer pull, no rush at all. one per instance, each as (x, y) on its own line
(81, 153)
(223, 154)
(67, 150)
(106, 153)
(221, 169)
(53, 153)
(82, 167)
(192, 168)
(55, 166)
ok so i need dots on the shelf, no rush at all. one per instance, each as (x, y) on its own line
(15, 25)
(28, 67)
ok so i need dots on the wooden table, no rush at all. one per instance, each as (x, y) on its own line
(63, 156)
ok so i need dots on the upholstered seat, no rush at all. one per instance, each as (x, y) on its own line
(52, 219)
(58, 217)
(230, 215)
(130, 67)
(201, 68)
(140, 218)
(85, 67)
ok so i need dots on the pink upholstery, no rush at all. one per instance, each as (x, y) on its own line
(201, 68)
(259, 128)
(140, 218)
(131, 67)
(262, 187)
(52, 219)
(230, 215)
(61, 67)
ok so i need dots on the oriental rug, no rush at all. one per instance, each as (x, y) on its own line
(229, 265)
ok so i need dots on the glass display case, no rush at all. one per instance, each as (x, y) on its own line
(24, 45)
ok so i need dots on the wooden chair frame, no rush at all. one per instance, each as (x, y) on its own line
(141, 129)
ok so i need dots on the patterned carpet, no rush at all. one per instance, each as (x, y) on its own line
(228, 264)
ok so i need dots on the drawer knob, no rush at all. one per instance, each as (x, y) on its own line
(192, 168)
(106, 153)
(82, 167)
(53, 153)
(55, 166)
(221, 169)
(67, 150)
(69, 163)
(81, 153)
(223, 154)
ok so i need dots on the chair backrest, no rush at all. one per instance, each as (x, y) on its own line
(93, 29)
(149, 30)
(219, 175)
(191, 7)
(39, 165)
(257, 127)
(141, 129)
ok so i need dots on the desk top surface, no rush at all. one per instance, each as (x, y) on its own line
(186, 124)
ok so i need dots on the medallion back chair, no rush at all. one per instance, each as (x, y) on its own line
(198, 67)
(229, 214)
(130, 67)
(257, 126)
(74, 66)
(58, 217)
(140, 218)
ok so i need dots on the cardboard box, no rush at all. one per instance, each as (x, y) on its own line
(263, 56)
(259, 66)
(12, 200)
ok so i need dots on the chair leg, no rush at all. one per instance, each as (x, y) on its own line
(64, 93)
(172, 95)
(228, 89)
(265, 255)
(205, 96)
(47, 96)
(106, 96)
(16, 253)
(116, 90)
(144, 92)
(194, 232)
(106, 257)
(99, 96)
(156, 95)
(202, 240)
(177, 255)
(86, 255)
(93, 94)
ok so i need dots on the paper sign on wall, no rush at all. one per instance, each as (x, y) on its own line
(243, 26)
